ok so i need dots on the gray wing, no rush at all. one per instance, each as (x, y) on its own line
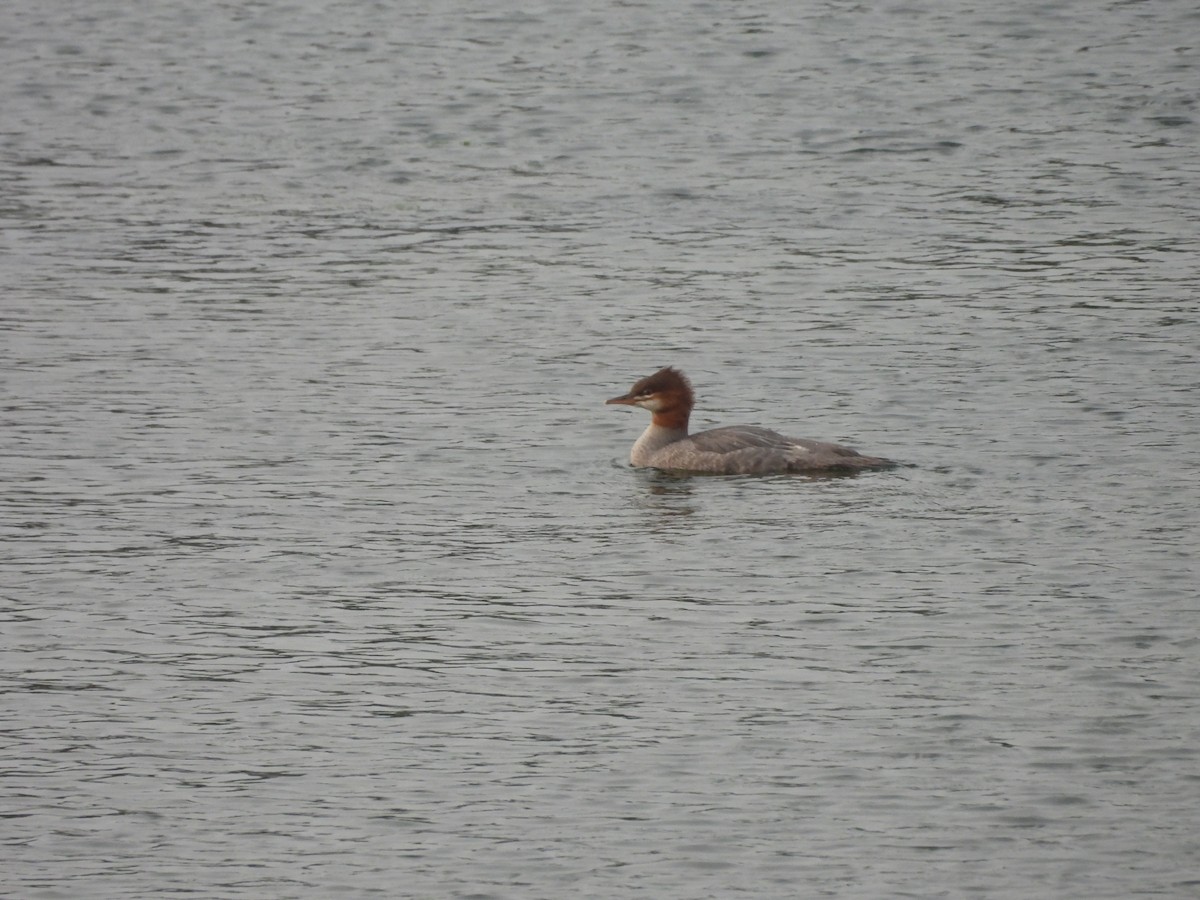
(742, 437)
(753, 450)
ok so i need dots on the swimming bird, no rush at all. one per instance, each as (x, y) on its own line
(735, 450)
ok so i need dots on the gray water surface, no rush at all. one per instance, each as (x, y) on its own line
(324, 572)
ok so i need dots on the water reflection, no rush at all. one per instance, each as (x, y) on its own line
(665, 494)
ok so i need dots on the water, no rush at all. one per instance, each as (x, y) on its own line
(323, 571)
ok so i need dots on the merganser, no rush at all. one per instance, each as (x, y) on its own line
(736, 450)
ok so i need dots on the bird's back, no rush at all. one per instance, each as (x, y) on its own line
(750, 450)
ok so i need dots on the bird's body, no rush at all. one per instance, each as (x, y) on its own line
(734, 450)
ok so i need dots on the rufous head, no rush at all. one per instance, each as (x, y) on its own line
(667, 393)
